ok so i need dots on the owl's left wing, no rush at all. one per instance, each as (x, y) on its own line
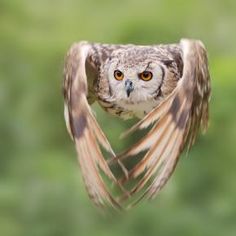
(176, 122)
(83, 126)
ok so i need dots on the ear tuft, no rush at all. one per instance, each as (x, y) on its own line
(167, 62)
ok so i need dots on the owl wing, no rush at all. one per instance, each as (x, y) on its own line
(82, 125)
(175, 123)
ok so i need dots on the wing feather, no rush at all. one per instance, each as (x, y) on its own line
(84, 128)
(176, 122)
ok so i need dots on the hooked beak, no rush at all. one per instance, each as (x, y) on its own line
(129, 87)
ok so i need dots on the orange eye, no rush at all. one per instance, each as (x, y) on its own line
(118, 75)
(146, 75)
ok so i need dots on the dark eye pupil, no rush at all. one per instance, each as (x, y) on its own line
(146, 74)
(118, 73)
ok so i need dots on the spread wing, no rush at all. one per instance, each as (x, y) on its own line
(176, 122)
(82, 125)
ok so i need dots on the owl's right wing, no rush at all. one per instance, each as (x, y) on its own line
(176, 122)
(82, 125)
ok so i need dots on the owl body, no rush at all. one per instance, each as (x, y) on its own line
(132, 61)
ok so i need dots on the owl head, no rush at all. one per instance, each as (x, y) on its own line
(135, 75)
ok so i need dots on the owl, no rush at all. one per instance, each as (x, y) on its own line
(166, 86)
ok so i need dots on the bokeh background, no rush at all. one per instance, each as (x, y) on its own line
(41, 191)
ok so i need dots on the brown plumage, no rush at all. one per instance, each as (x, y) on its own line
(166, 86)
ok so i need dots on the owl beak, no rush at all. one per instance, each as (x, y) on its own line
(129, 87)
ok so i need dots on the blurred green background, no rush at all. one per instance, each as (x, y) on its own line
(41, 191)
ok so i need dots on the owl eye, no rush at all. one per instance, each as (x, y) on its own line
(146, 75)
(118, 75)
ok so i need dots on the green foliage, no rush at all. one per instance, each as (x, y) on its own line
(41, 191)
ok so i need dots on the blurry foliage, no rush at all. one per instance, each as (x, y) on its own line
(41, 191)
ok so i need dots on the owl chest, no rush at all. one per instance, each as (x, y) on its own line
(128, 110)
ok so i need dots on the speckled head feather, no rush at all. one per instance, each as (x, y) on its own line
(167, 86)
